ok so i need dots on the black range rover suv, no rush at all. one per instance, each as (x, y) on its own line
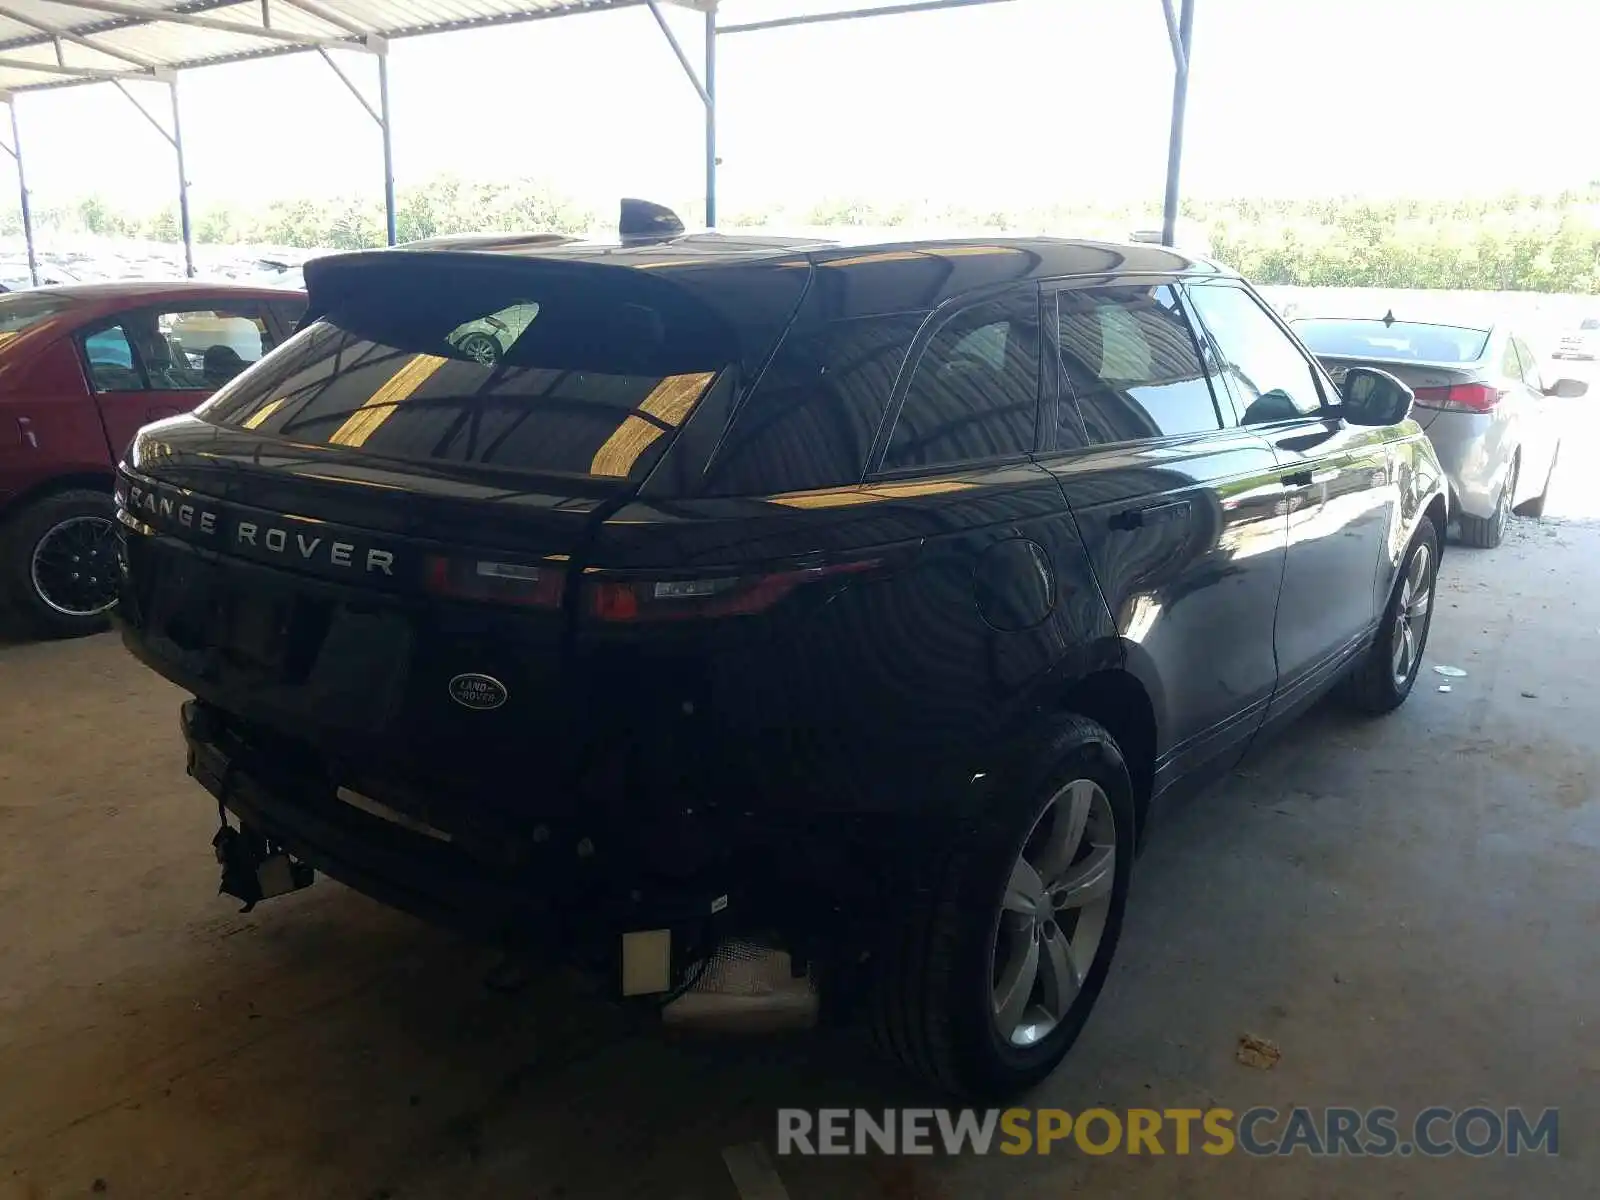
(621, 599)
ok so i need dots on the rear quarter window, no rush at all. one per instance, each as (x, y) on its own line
(811, 420)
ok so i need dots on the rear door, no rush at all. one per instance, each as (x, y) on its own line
(971, 618)
(1542, 431)
(949, 580)
(1179, 511)
(148, 363)
(1337, 486)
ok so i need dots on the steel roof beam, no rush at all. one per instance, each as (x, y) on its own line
(44, 68)
(77, 39)
(323, 13)
(158, 16)
(888, 10)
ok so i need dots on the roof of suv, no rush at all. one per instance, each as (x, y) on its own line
(1041, 257)
(735, 271)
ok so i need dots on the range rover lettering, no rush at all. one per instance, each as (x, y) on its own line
(866, 603)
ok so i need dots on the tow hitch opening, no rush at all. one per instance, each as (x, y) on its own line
(254, 868)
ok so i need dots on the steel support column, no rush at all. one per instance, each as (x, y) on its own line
(705, 89)
(388, 145)
(183, 183)
(15, 150)
(381, 116)
(1181, 32)
(711, 117)
(175, 139)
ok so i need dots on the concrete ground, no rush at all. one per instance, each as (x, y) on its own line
(1407, 907)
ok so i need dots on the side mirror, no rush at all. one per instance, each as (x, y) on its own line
(1567, 389)
(1373, 397)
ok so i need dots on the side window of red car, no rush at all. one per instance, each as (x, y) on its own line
(112, 366)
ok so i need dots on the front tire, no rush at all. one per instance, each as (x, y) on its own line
(58, 565)
(1387, 672)
(991, 968)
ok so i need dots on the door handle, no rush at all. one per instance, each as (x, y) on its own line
(25, 434)
(1150, 514)
(1309, 478)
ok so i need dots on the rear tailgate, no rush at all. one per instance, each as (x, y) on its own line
(370, 540)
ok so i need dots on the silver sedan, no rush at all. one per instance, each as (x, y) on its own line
(1494, 423)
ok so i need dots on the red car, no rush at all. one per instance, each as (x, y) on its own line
(81, 369)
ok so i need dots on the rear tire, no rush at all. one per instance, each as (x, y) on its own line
(1535, 507)
(1387, 672)
(960, 940)
(38, 579)
(1486, 533)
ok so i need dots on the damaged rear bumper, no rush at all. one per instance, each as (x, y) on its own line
(561, 902)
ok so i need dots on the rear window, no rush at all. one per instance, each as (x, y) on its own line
(1398, 340)
(18, 310)
(579, 373)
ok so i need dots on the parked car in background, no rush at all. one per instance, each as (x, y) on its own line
(866, 603)
(1494, 423)
(1582, 342)
(486, 339)
(82, 367)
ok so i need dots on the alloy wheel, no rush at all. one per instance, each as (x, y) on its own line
(480, 348)
(1411, 618)
(74, 566)
(1508, 494)
(1053, 916)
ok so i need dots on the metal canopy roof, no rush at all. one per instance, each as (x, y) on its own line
(56, 43)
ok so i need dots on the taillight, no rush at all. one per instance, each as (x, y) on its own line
(528, 585)
(623, 600)
(1460, 397)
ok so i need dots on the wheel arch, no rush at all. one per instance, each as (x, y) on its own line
(1118, 700)
(90, 478)
(1437, 510)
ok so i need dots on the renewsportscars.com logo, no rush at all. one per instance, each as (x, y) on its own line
(1327, 1132)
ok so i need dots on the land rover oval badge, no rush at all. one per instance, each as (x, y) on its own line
(473, 690)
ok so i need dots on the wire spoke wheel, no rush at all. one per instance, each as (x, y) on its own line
(1053, 913)
(74, 566)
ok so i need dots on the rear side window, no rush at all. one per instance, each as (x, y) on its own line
(111, 364)
(1530, 365)
(177, 350)
(974, 393)
(1130, 361)
(579, 375)
(1510, 364)
(811, 421)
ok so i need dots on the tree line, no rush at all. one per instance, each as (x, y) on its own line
(1512, 242)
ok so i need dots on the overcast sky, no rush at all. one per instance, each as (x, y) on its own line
(1003, 105)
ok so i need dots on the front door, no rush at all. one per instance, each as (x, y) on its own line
(1179, 511)
(1337, 487)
